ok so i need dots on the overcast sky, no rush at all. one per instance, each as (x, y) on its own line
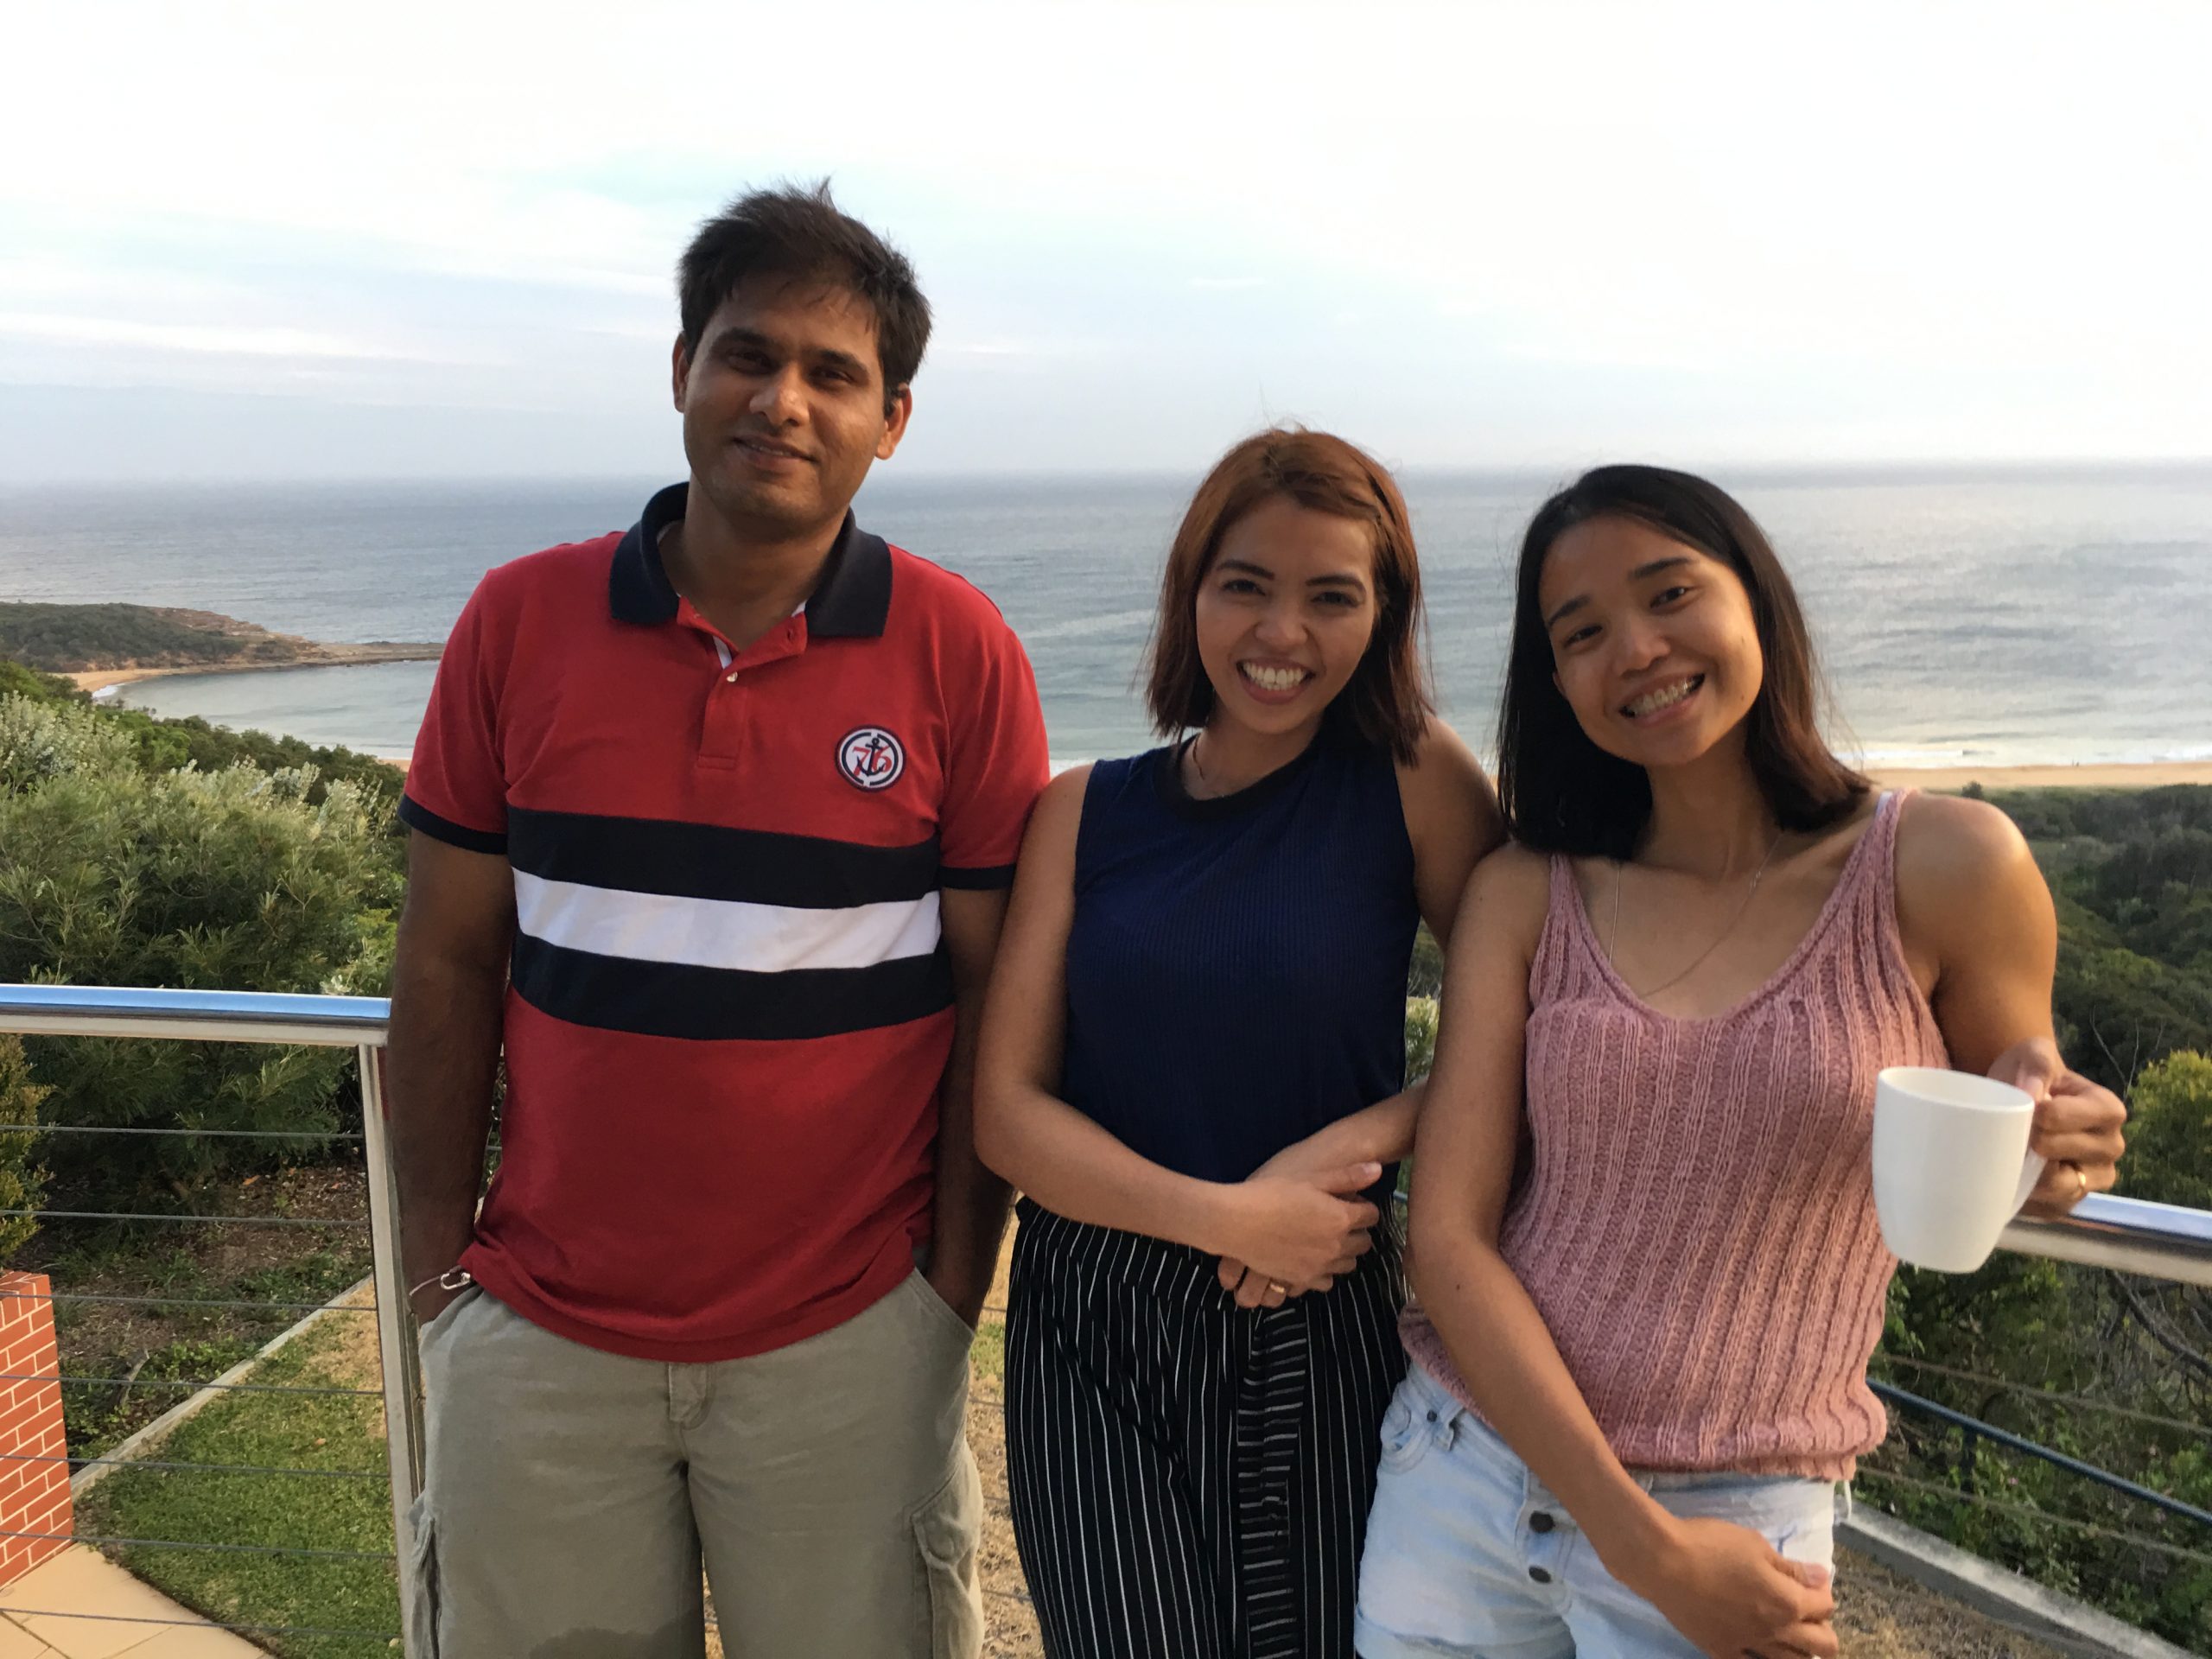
(391, 239)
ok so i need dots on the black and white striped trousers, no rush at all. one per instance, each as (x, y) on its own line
(1191, 1479)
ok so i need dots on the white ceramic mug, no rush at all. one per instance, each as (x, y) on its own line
(1951, 1164)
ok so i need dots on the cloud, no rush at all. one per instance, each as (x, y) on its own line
(224, 338)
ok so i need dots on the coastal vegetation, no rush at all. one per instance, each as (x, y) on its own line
(69, 638)
(2109, 1369)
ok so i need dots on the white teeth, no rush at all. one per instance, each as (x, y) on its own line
(1665, 697)
(1271, 679)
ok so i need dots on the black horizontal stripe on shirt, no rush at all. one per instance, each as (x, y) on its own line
(984, 878)
(415, 816)
(669, 999)
(705, 861)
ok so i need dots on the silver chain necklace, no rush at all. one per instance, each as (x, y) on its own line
(1614, 931)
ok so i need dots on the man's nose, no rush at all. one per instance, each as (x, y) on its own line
(780, 397)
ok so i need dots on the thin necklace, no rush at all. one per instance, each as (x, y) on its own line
(1613, 935)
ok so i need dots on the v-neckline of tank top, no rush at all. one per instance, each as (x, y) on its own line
(1823, 923)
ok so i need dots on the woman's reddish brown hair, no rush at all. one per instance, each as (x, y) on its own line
(1386, 700)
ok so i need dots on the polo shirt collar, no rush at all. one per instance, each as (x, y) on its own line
(850, 601)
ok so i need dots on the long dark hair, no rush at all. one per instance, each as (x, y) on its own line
(1386, 700)
(1560, 791)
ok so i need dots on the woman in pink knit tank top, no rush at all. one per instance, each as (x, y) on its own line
(1643, 1231)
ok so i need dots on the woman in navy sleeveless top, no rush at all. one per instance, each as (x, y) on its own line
(1192, 1067)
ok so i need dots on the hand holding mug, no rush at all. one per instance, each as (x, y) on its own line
(2077, 1125)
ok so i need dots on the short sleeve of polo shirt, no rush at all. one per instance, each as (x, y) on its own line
(999, 768)
(456, 787)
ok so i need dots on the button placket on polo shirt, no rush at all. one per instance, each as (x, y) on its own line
(727, 727)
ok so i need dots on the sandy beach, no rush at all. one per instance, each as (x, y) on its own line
(315, 656)
(2151, 775)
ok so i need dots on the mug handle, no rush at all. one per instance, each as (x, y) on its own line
(2031, 1168)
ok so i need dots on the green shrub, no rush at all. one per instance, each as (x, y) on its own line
(21, 1183)
(19, 680)
(42, 740)
(1420, 1037)
(235, 879)
(2169, 1132)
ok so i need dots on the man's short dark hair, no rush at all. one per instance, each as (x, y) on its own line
(798, 234)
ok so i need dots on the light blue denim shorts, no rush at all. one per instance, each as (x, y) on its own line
(1467, 1554)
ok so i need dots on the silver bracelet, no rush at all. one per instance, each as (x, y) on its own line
(451, 1279)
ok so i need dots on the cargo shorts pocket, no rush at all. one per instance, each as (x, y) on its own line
(421, 1621)
(946, 1529)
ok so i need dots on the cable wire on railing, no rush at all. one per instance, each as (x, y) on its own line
(225, 1221)
(195, 1468)
(1976, 1431)
(1984, 1380)
(1938, 1488)
(179, 1543)
(182, 1383)
(188, 1301)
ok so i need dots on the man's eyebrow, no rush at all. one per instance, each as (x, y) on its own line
(831, 355)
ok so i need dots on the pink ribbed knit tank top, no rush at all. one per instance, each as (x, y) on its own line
(1698, 1228)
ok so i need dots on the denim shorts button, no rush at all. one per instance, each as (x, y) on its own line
(1540, 1575)
(1540, 1522)
(1432, 1416)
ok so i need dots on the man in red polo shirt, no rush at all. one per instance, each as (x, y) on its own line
(714, 821)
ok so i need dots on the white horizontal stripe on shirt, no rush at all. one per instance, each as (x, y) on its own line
(721, 933)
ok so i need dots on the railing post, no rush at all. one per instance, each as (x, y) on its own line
(1969, 1443)
(403, 1373)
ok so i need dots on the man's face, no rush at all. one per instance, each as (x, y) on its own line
(784, 406)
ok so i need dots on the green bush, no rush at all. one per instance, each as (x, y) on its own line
(17, 680)
(40, 740)
(1420, 1037)
(236, 879)
(2169, 1132)
(21, 1183)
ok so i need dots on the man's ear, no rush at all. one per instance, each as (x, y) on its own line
(894, 423)
(679, 371)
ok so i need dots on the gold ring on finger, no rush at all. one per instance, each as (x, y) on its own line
(1278, 1287)
(2081, 1182)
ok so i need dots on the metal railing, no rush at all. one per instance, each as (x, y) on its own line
(355, 1022)
(2127, 1234)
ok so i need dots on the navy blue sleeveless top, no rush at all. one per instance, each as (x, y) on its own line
(1236, 967)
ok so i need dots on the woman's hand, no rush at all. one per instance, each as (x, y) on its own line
(1291, 1230)
(2077, 1127)
(1732, 1593)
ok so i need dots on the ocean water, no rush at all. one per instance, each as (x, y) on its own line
(1998, 616)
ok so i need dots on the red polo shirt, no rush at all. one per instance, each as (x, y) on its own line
(729, 1009)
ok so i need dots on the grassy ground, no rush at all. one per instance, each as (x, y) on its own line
(341, 1434)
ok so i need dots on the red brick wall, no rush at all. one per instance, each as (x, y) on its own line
(34, 1497)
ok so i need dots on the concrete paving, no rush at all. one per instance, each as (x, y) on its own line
(82, 1605)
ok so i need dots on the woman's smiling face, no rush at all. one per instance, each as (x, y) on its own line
(1653, 643)
(1285, 614)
